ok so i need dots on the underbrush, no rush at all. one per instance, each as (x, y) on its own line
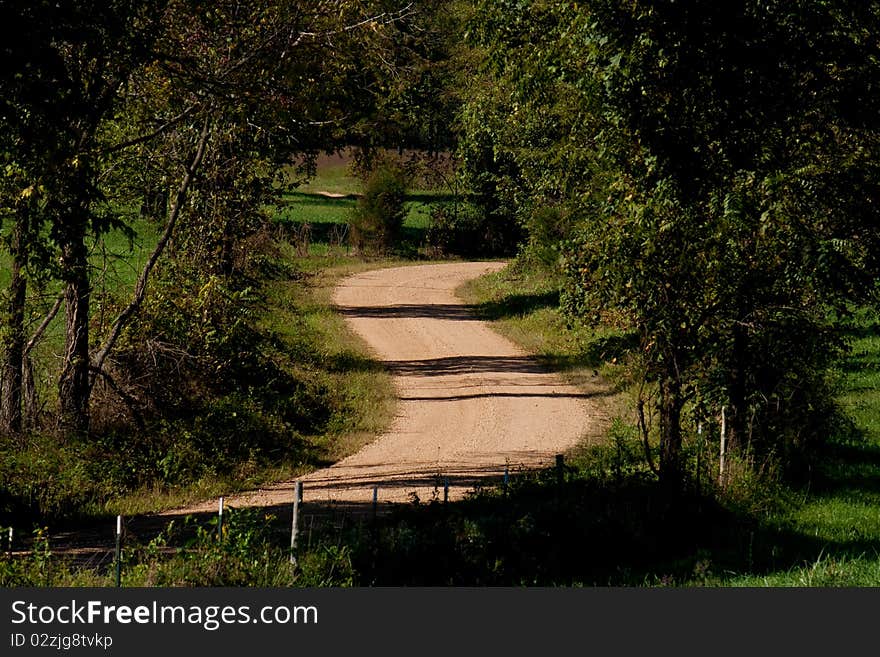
(604, 520)
(191, 552)
(461, 229)
(276, 387)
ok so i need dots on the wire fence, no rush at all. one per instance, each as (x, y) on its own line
(103, 549)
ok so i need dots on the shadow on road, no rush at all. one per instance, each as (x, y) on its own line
(444, 311)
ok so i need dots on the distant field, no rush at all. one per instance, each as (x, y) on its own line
(326, 202)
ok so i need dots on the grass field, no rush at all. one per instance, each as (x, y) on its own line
(316, 214)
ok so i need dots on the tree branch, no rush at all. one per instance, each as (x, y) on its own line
(43, 325)
(130, 401)
(158, 131)
(141, 286)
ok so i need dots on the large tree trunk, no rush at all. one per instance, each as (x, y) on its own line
(13, 342)
(73, 385)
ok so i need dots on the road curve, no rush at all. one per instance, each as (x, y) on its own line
(470, 401)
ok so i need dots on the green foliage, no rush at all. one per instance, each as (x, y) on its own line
(46, 479)
(190, 553)
(464, 230)
(245, 555)
(215, 391)
(705, 178)
(527, 143)
(548, 228)
(378, 218)
(414, 106)
(34, 570)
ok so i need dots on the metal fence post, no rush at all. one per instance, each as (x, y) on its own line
(294, 525)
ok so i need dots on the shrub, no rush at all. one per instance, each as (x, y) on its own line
(547, 228)
(466, 231)
(378, 218)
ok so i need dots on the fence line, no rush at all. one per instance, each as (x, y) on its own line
(115, 552)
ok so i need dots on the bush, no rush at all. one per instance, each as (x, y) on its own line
(49, 478)
(378, 218)
(466, 231)
(547, 228)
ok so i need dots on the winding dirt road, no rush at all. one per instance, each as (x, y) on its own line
(470, 401)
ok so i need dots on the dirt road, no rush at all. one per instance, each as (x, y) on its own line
(470, 401)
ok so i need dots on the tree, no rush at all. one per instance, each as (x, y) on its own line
(214, 95)
(722, 196)
(70, 64)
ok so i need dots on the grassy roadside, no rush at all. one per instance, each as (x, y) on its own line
(318, 346)
(522, 303)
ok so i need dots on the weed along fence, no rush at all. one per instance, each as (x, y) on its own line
(131, 551)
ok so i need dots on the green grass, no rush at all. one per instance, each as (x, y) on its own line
(834, 530)
(328, 220)
(610, 523)
(522, 302)
(332, 176)
(328, 217)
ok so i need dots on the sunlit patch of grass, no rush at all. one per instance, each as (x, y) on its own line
(326, 203)
(825, 571)
(522, 302)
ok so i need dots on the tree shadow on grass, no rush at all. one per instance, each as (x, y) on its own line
(517, 305)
